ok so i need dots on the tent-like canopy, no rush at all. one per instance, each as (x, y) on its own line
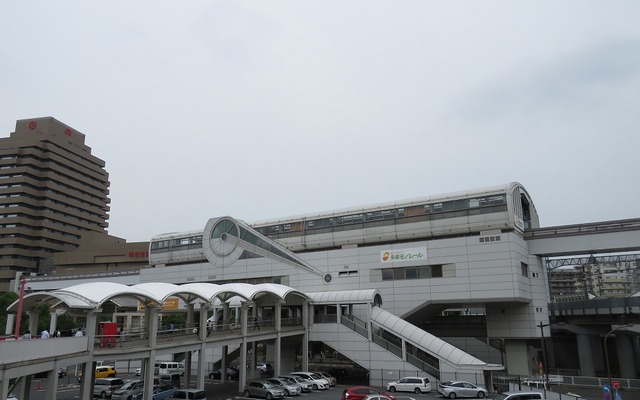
(94, 294)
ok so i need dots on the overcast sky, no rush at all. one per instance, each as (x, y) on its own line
(266, 109)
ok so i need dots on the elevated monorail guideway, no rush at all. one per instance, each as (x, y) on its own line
(596, 237)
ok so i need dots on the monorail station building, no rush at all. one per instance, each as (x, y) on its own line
(460, 251)
(371, 284)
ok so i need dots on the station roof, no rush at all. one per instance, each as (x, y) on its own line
(93, 295)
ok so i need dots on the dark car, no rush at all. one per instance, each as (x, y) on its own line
(62, 372)
(360, 392)
(232, 374)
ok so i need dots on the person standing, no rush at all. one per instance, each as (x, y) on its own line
(56, 333)
(121, 334)
(79, 333)
(44, 334)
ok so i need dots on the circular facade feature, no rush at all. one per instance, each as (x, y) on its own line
(221, 241)
(327, 278)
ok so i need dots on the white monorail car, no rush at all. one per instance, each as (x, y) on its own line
(505, 208)
(176, 248)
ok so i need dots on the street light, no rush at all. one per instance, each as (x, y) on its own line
(544, 354)
(606, 353)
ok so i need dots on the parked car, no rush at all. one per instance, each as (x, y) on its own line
(331, 379)
(232, 374)
(12, 397)
(264, 368)
(190, 394)
(128, 390)
(519, 396)
(105, 371)
(263, 389)
(307, 386)
(376, 397)
(105, 387)
(317, 381)
(160, 392)
(360, 392)
(62, 372)
(454, 389)
(290, 388)
(410, 384)
(156, 370)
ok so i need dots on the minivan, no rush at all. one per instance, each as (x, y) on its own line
(105, 387)
(413, 384)
(171, 367)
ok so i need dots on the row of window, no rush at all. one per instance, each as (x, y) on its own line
(81, 200)
(440, 210)
(49, 181)
(65, 216)
(177, 242)
(416, 272)
(50, 200)
(50, 171)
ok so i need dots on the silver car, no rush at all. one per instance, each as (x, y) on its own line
(330, 378)
(307, 386)
(290, 388)
(457, 389)
(263, 389)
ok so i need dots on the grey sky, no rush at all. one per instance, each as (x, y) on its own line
(267, 109)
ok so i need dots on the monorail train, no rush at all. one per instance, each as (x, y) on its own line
(504, 208)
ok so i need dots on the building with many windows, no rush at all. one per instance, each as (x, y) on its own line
(52, 192)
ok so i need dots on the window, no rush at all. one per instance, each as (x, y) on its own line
(525, 269)
(436, 271)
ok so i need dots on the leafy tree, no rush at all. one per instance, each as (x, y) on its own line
(5, 300)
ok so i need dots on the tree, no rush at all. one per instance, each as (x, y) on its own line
(5, 301)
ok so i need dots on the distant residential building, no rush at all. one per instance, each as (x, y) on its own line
(52, 192)
(605, 279)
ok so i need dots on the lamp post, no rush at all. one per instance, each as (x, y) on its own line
(544, 354)
(606, 354)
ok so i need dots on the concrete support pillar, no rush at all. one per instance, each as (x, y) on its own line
(25, 389)
(225, 316)
(201, 360)
(151, 324)
(635, 343)
(52, 384)
(4, 389)
(278, 316)
(517, 357)
(625, 356)
(306, 322)
(33, 322)
(187, 369)
(585, 355)
(202, 322)
(8, 329)
(53, 323)
(598, 354)
(190, 312)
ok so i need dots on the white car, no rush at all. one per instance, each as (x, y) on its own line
(317, 381)
(413, 384)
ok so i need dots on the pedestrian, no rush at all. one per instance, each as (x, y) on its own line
(122, 335)
(56, 333)
(79, 333)
(27, 335)
(44, 334)
(256, 322)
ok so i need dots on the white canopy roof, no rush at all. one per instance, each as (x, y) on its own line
(94, 294)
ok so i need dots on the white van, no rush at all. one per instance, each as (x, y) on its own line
(171, 367)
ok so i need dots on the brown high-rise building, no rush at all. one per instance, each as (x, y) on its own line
(52, 191)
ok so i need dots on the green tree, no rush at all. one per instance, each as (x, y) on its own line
(5, 301)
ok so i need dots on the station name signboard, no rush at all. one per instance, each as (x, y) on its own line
(403, 255)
